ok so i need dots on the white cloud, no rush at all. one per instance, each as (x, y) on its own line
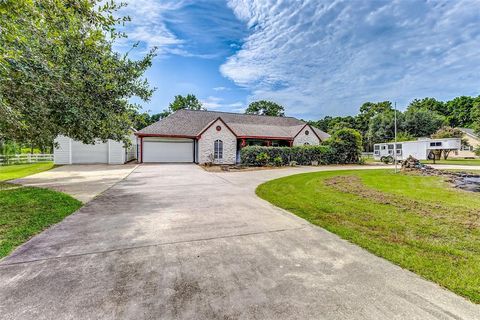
(217, 104)
(220, 89)
(148, 25)
(327, 57)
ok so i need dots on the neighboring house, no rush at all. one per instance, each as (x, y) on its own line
(419, 149)
(69, 151)
(217, 137)
(473, 143)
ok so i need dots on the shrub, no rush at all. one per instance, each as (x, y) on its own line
(262, 158)
(346, 145)
(278, 161)
(304, 155)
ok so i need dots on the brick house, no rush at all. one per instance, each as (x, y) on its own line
(210, 136)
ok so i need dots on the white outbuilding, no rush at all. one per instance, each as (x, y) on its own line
(420, 149)
(69, 151)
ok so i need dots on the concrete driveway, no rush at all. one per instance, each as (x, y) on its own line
(83, 182)
(177, 242)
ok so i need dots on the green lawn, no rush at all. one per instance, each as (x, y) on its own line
(26, 211)
(417, 222)
(460, 162)
(22, 170)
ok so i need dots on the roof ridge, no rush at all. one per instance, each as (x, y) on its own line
(239, 114)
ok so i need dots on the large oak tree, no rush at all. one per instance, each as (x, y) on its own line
(59, 74)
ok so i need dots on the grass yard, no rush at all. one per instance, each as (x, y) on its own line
(26, 211)
(417, 222)
(460, 162)
(22, 170)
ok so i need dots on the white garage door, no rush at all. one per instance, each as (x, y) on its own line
(89, 153)
(168, 151)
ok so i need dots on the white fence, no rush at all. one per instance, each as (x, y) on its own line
(368, 155)
(25, 158)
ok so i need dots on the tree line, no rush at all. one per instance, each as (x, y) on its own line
(422, 118)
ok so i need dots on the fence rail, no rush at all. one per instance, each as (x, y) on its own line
(367, 155)
(25, 158)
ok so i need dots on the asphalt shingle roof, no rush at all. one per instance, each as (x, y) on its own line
(191, 123)
(469, 132)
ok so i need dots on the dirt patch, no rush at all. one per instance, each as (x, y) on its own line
(353, 185)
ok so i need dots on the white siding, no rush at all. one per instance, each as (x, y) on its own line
(302, 138)
(69, 151)
(62, 153)
(116, 152)
(206, 142)
(132, 150)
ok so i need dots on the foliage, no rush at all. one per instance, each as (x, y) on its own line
(447, 132)
(415, 221)
(382, 127)
(477, 151)
(428, 104)
(460, 111)
(190, 102)
(403, 136)
(422, 118)
(59, 74)
(262, 158)
(302, 155)
(278, 161)
(422, 122)
(347, 145)
(142, 120)
(266, 108)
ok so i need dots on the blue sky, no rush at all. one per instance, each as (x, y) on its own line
(314, 57)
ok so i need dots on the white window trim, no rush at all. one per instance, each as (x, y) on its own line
(218, 149)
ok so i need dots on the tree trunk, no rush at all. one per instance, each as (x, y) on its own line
(445, 154)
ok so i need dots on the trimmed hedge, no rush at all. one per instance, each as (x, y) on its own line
(302, 155)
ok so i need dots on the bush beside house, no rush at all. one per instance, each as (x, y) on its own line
(344, 146)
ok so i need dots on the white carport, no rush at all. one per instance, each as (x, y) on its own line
(178, 150)
(69, 151)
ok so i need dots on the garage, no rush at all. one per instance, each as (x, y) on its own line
(69, 151)
(89, 153)
(168, 150)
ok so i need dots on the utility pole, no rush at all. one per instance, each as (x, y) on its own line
(395, 145)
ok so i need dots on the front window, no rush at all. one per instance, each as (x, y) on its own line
(306, 144)
(218, 149)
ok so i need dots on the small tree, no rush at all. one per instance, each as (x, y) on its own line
(266, 108)
(347, 144)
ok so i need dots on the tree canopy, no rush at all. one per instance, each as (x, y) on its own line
(189, 101)
(422, 118)
(60, 75)
(265, 108)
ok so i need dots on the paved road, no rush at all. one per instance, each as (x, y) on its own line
(176, 242)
